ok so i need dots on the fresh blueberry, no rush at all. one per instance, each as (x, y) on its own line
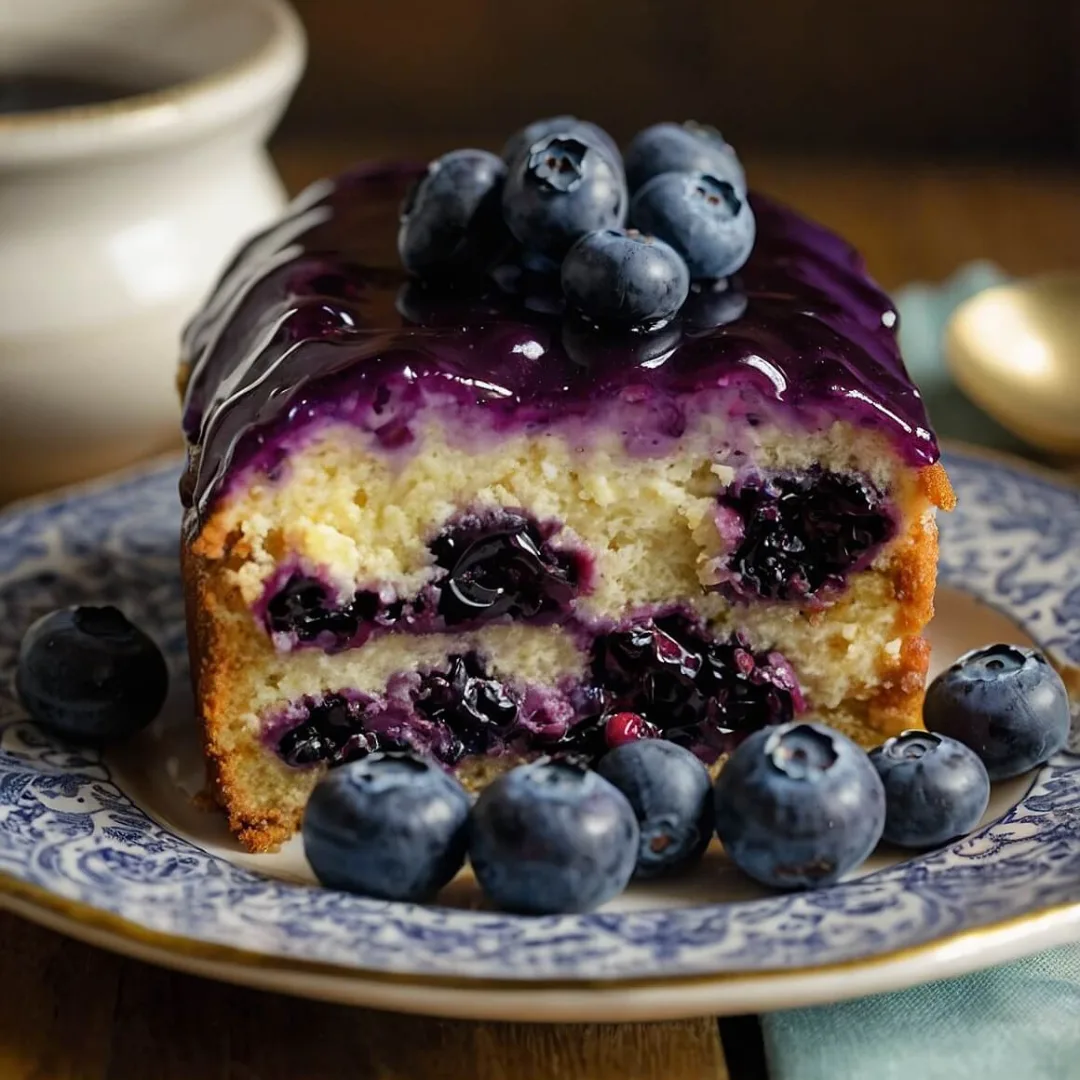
(1004, 701)
(702, 216)
(624, 279)
(935, 788)
(671, 794)
(551, 837)
(799, 805)
(392, 826)
(685, 147)
(452, 212)
(563, 187)
(90, 675)
(532, 133)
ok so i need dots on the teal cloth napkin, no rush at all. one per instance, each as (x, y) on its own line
(1017, 1022)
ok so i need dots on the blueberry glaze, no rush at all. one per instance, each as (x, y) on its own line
(307, 325)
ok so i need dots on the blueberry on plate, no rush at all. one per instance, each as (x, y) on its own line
(671, 794)
(614, 277)
(552, 837)
(452, 215)
(90, 675)
(391, 826)
(702, 216)
(935, 788)
(564, 186)
(688, 147)
(798, 805)
(1004, 701)
(521, 140)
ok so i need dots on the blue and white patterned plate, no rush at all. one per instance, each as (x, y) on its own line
(118, 850)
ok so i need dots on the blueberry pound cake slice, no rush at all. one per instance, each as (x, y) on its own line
(505, 458)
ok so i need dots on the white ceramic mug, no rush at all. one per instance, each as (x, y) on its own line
(116, 217)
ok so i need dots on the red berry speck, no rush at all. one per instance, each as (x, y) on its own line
(627, 727)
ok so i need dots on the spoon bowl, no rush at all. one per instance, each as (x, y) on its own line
(1015, 351)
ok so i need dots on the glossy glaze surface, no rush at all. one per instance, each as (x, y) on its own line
(316, 320)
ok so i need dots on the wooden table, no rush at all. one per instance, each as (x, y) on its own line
(71, 1011)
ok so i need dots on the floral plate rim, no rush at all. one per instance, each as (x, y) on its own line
(552, 1001)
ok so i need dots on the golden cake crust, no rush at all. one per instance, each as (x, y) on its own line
(215, 660)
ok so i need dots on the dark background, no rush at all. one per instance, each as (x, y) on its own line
(974, 79)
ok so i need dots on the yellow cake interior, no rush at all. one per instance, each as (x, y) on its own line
(363, 519)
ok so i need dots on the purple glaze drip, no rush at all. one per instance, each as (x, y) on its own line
(307, 324)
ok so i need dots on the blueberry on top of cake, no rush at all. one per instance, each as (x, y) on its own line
(485, 454)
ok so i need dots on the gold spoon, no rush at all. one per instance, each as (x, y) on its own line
(1015, 351)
